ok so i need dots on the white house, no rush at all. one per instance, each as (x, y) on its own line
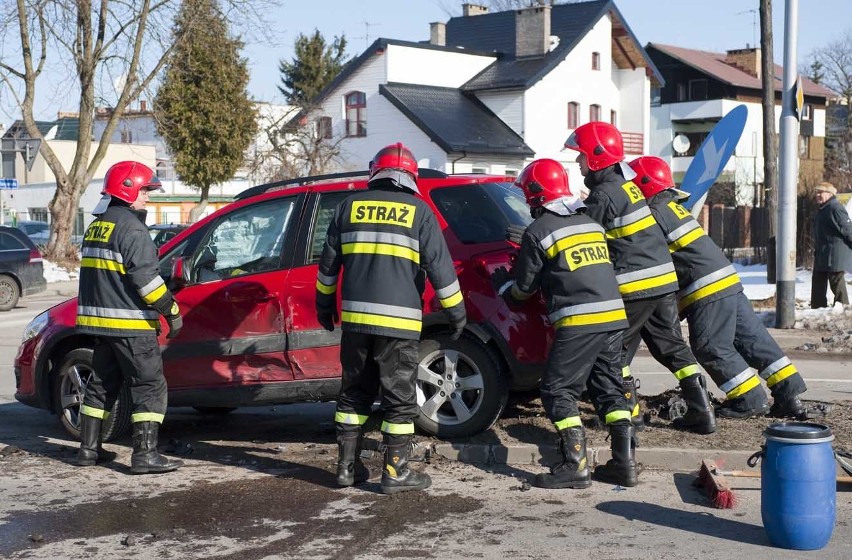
(491, 91)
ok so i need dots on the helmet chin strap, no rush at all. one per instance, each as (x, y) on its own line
(536, 212)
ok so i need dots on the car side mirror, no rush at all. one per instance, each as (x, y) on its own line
(180, 272)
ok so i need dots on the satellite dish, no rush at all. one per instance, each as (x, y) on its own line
(680, 144)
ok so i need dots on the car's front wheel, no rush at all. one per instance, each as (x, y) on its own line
(461, 388)
(69, 387)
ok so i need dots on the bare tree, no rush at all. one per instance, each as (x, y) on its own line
(105, 44)
(770, 146)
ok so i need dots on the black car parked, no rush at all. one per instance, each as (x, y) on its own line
(21, 268)
(161, 233)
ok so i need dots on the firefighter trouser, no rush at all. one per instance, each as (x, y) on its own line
(370, 362)
(580, 360)
(133, 360)
(655, 321)
(727, 337)
(821, 280)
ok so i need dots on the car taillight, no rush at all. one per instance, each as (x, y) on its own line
(35, 256)
(488, 263)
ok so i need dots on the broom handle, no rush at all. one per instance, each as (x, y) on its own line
(756, 474)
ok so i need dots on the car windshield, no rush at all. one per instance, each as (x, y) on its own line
(480, 213)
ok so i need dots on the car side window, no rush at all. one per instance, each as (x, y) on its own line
(9, 242)
(328, 203)
(245, 241)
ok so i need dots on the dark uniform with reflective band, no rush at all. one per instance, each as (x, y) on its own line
(645, 273)
(121, 298)
(383, 238)
(710, 295)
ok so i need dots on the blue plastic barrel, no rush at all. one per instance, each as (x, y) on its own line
(798, 487)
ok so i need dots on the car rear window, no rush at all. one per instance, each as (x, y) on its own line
(480, 213)
(8, 242)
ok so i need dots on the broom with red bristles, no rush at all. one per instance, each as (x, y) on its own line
(715, 486)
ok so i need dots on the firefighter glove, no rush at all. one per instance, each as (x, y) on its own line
(457, 329)
(499, 279)
(175, 325)
(327, 318)
(515, 233)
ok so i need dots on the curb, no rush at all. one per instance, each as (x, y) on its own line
(658, 458)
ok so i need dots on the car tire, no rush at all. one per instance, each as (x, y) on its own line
(478, 387)
(68, 396)
(215, 410)
(9, 293)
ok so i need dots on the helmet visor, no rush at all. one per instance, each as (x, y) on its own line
(154, 185)
(571, 143)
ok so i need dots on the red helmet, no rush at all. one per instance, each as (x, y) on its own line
(653, 175)
(600, 142)
(397, 163)
(124, 179)
(543, 181)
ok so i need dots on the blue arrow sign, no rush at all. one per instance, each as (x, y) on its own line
(8, 183)
(713, 154)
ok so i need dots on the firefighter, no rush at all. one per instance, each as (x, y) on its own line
(564, 254)
(724, 332)
(121, 298)
(644, 270)
(385, 239)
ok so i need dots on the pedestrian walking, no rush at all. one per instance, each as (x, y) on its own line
(832, 243)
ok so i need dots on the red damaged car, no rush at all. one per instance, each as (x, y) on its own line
(245, 280)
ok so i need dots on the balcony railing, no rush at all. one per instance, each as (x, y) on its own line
(633, 142)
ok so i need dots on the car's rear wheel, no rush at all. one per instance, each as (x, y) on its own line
(461, 387)
(69, 386)
(9, 292)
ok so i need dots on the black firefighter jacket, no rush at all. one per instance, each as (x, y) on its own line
(121, 291)
(384, 239)
(643, 267)
(704, 273)
(832, 238)
(567, 258)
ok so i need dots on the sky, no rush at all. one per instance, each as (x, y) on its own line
(714, 25)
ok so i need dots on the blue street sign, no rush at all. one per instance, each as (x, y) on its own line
(8, 183)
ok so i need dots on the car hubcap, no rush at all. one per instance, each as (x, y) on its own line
(449, 387)
(71, 393)
(5, 293)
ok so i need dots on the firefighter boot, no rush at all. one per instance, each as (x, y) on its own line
(573, 471)
(91, 450)
(631, 384)
(699, 417)
(146, 459)
(350, 468)
(622, 468)
(396, 476)
(752, 404)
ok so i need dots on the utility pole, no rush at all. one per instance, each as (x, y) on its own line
(785, 286)
(770, 148)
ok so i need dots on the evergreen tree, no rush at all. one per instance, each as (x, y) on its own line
(313, 67)
(203, 109)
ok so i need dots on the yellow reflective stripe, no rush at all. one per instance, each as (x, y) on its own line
(685, 240)
(134, 324)
(391, 470)
(625, 371)
(630, 229)
(591, 319)
(398, 429)
(570, 422)
(635, 411)
(327, 290)
(381, 321)
(147, 417)
(707, 290)
(617, 415)
(567, 242)
(648, 283)
(381, 249)
(155, 295)
(98, 413)
(350, 418)
(743, 388)
(687, 371)
(781, 375)
(454, 299)
(103, 264)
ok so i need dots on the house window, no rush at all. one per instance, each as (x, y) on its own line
(356, 114)
(697, 90)
(324, 128)
(573, 114)
(613, 118)
(594, 112)
(681, 92)
(596, 61)
(38, 214)
(126, 136)
(656, 96)
(804, 148)
(807, 112)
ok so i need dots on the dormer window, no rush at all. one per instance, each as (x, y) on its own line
(356, 114)
(596, 61)
(573, 114)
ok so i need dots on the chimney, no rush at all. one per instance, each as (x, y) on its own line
(532, 31)
(438, 33)
(473, 10)
(747, 60)
(143, 105)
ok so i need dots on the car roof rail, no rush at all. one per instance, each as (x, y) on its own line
(423, 172)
